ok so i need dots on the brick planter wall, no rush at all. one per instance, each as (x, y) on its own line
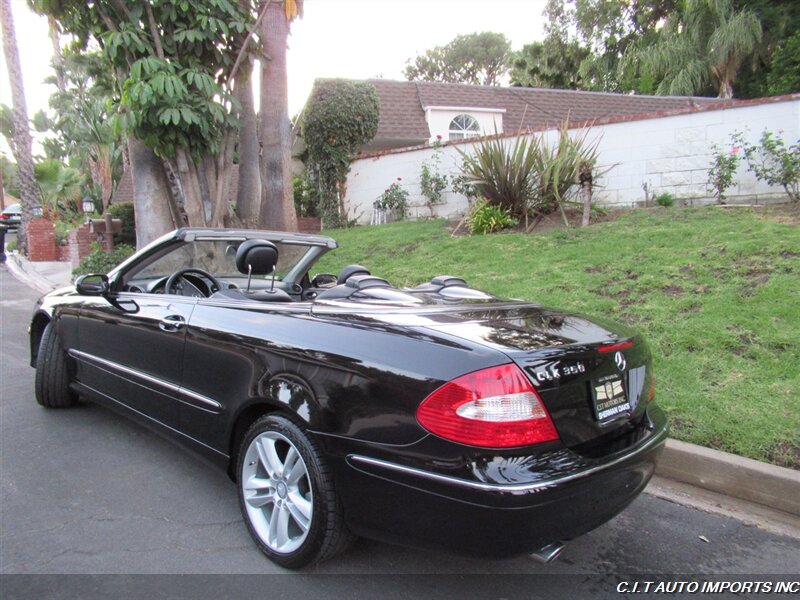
(79, 240)
(309, 224)
(41, 241)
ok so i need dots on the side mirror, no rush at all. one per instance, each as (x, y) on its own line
(93, 284)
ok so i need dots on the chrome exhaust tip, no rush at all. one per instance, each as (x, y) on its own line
(548, 553)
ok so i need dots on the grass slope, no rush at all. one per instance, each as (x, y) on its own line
(715, 292)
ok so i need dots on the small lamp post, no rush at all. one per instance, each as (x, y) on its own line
(87, 206)
(37, 212)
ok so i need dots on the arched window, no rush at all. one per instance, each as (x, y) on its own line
(464, 126)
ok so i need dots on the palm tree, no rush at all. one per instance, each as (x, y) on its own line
(59, 185)
(21, 148)
(277, 205)
(703, 45)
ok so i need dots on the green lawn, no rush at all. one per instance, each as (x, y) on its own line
(715, 291)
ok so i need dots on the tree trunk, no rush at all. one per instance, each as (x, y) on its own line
(100, 171)
(248, 198)
(223, 181)
(586, 192)
(277, 204)
(58, 58)
(151, 197)
(725, 90)
(193, 203)
(207, 178)
(28, 192)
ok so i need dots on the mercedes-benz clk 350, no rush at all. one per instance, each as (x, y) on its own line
(341, 406)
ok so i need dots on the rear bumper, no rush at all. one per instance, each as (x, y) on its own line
(403, 504)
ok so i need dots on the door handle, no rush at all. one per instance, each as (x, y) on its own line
(172, 323)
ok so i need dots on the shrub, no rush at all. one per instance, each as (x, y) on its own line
(395, 199)
(784, 74)
(723, 168)
(339, 117)
(503, 174)
(559, 166)
(461, 185)
(61, 229)
(100, 261)
(305, 203)
(774, 162)
(486, 218)
(532, 175)
(665, 199)
(432, 182)
(124, 211)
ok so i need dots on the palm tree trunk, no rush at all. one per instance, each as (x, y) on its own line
(277, 204)
(248, 199)
(58, 58)
(29, 195)
(725, 90)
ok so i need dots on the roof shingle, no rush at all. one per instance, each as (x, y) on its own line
(402, 111)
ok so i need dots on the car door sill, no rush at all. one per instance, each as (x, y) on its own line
(185, 395)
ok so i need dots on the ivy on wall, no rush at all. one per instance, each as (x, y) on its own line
(340, 116)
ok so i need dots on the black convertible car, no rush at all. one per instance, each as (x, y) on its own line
(437, 415)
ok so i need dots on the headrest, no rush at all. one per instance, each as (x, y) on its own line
(349, 271)
(256, 256)
(362, 282)
(448, 280)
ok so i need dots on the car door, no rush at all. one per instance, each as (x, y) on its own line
(135, 355)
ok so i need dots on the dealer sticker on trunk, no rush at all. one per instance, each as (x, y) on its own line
(610, 398)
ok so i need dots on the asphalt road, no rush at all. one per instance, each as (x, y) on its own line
(83, 491)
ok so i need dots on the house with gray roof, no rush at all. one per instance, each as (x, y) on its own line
(413, 113)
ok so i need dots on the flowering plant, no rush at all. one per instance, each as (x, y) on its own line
(432, 183)
(723, 168)
(394, 198)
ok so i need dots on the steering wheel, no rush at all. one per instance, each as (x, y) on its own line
(173, 279)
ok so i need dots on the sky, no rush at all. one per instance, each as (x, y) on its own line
(356, 39)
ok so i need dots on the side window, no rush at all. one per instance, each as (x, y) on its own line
(464, 126)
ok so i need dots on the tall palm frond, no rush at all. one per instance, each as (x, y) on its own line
(706, 43)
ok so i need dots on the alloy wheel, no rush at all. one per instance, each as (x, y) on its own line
(276, 488)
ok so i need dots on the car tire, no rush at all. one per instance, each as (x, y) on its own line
(287, 495)
(52, 373)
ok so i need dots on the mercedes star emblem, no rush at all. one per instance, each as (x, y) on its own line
(619, 360)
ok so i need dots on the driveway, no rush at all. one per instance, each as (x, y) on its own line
(83, 491)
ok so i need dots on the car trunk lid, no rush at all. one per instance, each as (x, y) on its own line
(592, 376)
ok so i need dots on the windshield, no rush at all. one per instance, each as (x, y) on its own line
(217, 257)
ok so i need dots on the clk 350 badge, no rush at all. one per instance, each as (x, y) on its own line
(555, 371)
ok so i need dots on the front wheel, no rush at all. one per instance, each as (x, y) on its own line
(287, 495)
(52, 373)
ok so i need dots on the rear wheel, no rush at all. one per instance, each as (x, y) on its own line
(287, 495)
(52, 373)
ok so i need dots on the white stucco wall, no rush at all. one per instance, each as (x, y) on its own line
(672, 154)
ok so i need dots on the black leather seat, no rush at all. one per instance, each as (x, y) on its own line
(255, 257)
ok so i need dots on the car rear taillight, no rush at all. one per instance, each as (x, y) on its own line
(4, 216)
(493, 408)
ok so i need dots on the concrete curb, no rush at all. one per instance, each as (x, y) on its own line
(727, 474)
(31, 279)
(731, 475)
